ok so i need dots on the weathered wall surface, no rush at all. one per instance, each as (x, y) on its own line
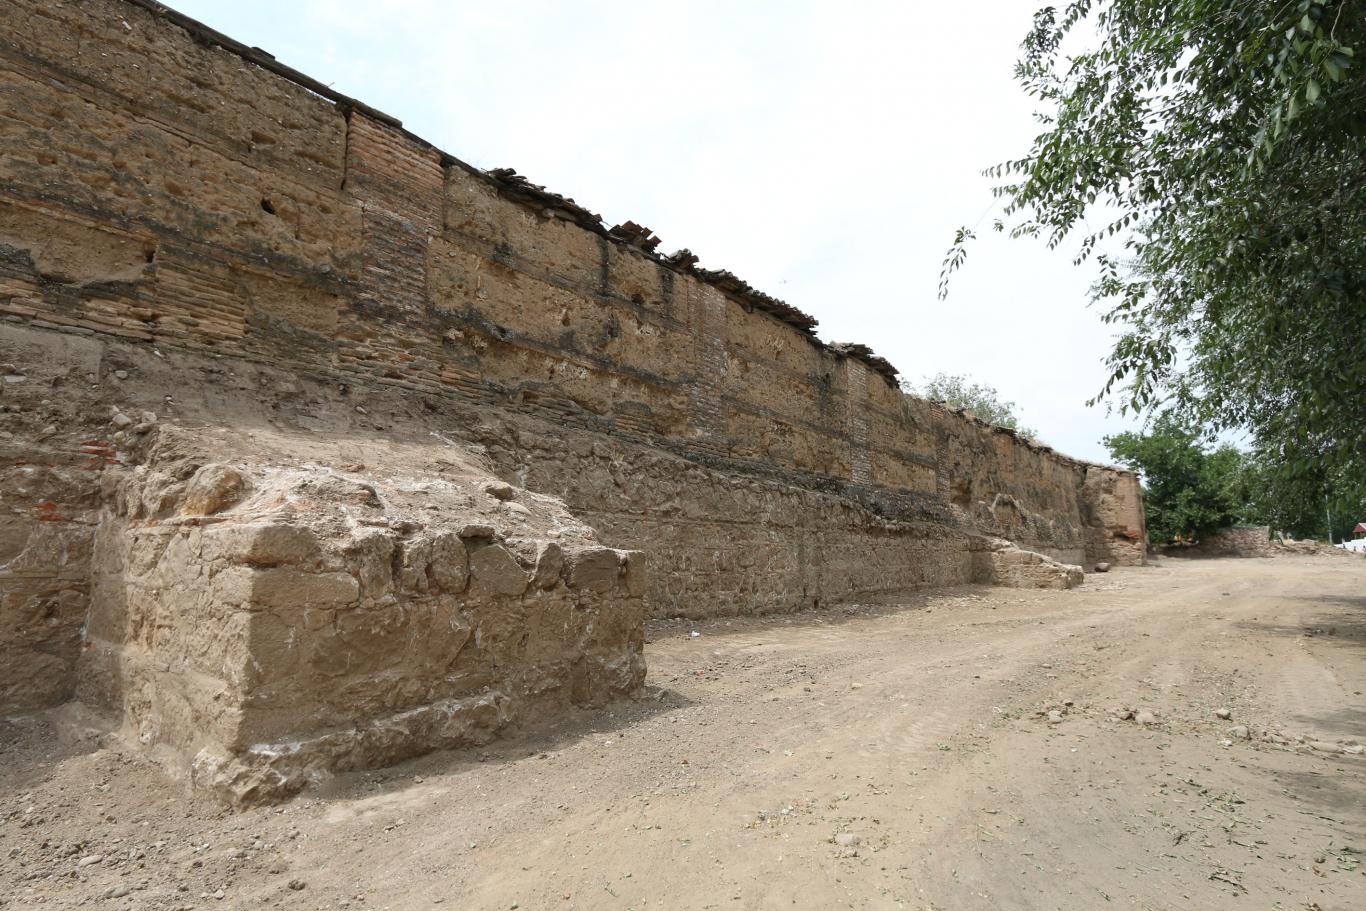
(1240, 541)
(276, 619)
(164, 198)
(49, 507)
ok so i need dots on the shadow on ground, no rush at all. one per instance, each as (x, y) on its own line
(1328, 794)
(34, 747)
(1342, 620)
(533, 742)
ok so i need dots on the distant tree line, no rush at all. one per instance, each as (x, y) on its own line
(1193, 487)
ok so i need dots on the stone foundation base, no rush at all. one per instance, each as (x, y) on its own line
(999, 562)
(269, 620)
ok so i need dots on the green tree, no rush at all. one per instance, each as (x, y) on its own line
(1302, 505)
(982, 400)
(1189, 489)
(1224, 142)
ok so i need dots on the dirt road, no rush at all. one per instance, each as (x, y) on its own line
(896, 756)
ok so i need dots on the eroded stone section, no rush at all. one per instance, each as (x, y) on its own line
(45, 544)
(998, 562)
(1112, 515)
(277, 620)
(49, 506)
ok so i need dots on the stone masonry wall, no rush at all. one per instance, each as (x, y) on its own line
(169, 196)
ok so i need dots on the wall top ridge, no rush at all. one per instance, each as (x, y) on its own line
(1028, 442)
(518, 188)
(630, 236)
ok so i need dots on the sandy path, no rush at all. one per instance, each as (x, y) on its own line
(911, 732)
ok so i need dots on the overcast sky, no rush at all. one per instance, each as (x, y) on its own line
(823, 151)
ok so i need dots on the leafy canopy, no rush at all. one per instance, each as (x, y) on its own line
(1224, 141)
(1310, 505)
(982, 400)
(1189, 490)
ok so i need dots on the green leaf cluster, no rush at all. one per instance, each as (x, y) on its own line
(1311, 504)
(1224, 144)
(1192, 487)
(1190, 490)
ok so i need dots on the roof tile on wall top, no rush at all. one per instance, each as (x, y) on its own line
(865, 354)
(519, 189)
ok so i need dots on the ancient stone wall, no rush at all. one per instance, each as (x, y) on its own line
(168, 197)
(1250, 541)
(1239, 541)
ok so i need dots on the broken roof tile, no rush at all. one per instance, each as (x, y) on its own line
(865, 354)
(518, 188)
(635, 235)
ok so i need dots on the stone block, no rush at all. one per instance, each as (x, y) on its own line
(549, 563)
(264, 544)
(1001, 563)
(434, 565)
(213, 489)
(593, 570)
(637, 574)
(495, 573)
(291, 589)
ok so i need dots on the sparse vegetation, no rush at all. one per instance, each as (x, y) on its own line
(982, 400)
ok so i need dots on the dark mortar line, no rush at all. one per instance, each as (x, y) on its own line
(474, 319)
(499, 335)
(819, 429)
(516, 262)
(872, 498)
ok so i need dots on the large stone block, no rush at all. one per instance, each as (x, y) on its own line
(595, 570)
(328, 629)
(496, 573)
(263, 544)
(1001, 563)
(283, 589)
(213, 489)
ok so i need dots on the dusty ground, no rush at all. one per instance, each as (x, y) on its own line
(884, 757)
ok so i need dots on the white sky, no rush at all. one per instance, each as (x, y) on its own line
(823, 151)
